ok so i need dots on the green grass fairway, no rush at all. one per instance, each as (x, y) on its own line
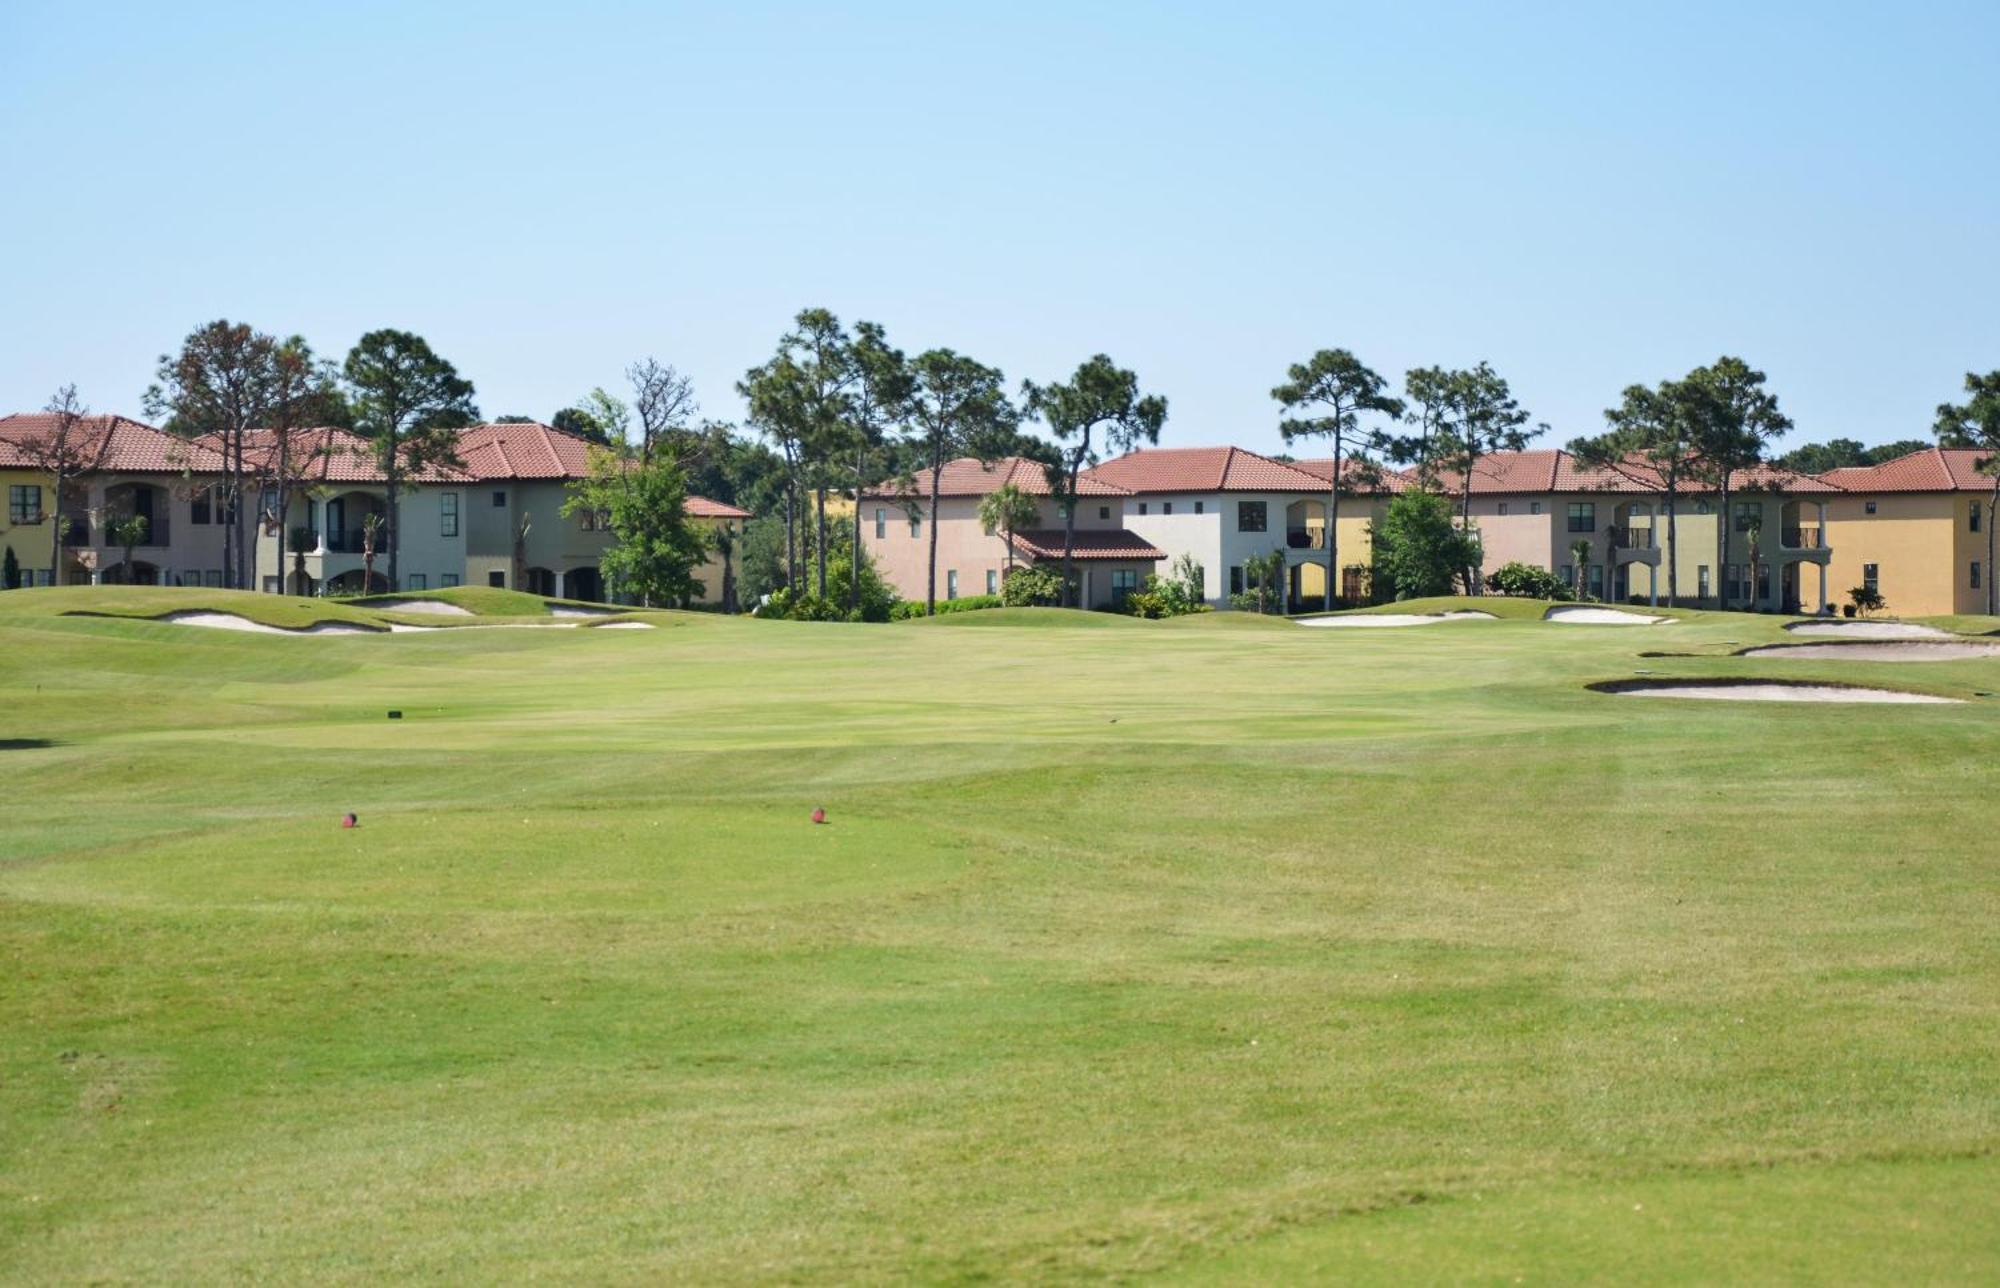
(1222, 949)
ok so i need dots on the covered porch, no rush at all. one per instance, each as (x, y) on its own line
(1110, 563)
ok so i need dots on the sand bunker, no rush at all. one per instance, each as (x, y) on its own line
(437, 606)
(1754, 691)
(573, 610)
(624, 626)
(231, 622)
(1869, 630)
(1884, 651)
(1599, 617)
(1397, 619)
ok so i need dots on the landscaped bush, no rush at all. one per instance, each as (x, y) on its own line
(909, 608)
(1172, 596)
(1528, 582)
(1419, 550)
(1031, 587)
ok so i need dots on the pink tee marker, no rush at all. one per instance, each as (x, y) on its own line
(819, 816)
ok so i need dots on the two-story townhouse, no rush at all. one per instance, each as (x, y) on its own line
(1223, 506)
(1607, 528)
(1914, 530)
(338, 487)
(127, 469)
(1111, 560)
(516, 532)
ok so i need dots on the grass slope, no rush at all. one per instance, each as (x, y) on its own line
(1239, 954)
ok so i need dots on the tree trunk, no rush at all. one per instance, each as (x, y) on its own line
(1465, 520)
(1722, 522)
(1069, 522)
(791, 533)
(56, 533)
(854, 554)
(244, 531)
(930, 585)
(395, 530)
(819, 501)
(1673, 551)
(1332, 533)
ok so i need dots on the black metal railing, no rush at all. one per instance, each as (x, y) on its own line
(1306, 538)
(1631, 538)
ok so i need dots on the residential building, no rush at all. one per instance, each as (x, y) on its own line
(1112, 561)
(1223, 506)
(1914, 530)
(133, 469)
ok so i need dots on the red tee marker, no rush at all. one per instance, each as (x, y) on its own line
(348, 820)
(819, 816)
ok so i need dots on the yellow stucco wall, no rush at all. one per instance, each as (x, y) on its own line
(29, 541)
(1912, 538)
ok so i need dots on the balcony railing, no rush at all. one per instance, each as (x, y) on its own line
(352, 541)
(1306, 538)
(1807, 536)
(1631, 538)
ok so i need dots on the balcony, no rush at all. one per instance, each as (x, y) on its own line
(1807, 541)
(1305, 538)
(77, 535)
(1634, 545)
(353, 541)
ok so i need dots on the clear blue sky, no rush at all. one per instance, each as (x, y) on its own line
(1584, 195)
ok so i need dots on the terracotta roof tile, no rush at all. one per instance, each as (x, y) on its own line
(332, 455)
(1204, 469)
(969, 476)
(701, 507)
(1321, 468)
(525, 450)
(1932, 469)
(116, 443)
(1089, 543)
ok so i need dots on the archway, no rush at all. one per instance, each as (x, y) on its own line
(584, 584)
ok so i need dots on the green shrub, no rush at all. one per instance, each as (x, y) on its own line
(1031, 587)
(1867, 601)
(909, 608)
(1528, 582)
(10, 571)
(1419, 550)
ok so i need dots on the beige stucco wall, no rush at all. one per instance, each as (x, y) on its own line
(903, 558)
(1920, 543)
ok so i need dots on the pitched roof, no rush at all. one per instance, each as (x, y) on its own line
(1204, 469)
(1089, 543)
(1557, 470)
(1388, 480)
(1930, 469)
(331, 455)
(970, 476)
(523, 450)
(701, 507)
(111, 443)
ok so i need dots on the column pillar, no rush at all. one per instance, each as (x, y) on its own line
(559, 583)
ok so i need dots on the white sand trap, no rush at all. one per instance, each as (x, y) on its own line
(1599, 617)
(1372, 620)
(624, 626)
(437, 606)
(231, 622)
(1870, 630)
(1883, 651)
(573, 610)
(400, 627)
(1775, 693)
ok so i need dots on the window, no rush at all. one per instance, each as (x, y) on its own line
(1583, 516)
(1250, 516)
(1503, 507)
(1868, 507)
(1748, 513)
(992, 581)
(1166, 507)
(1236, 580)
(198, 508)
(1062, 513)
(951, 583)
(212, 579)
(417, 581)
(1534, 507)
(500, 499)
(881, 523)
(1701, 507)
(1123, 582)
(24, 503)
(1975, 521)
(916, 524)
(1871, 576)
(448, 514)
(1142, 507)
(1975, 574)
(1103, 511)
(449, 579)
(1198, 507)
(497, 578)
(1701, 582)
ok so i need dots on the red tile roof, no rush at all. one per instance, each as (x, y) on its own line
(331, 455)
(1204, 469)
(969, 476)
(526, 450)
(700, 507)
(1321, 468)
(1556, 470)
(1089, 543)
(1932, 469)
(115, 443)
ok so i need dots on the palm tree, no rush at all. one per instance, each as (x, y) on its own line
(1579, 555)
(1007, 509)
(1753, 532)
(127, 532)
(371, 528)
